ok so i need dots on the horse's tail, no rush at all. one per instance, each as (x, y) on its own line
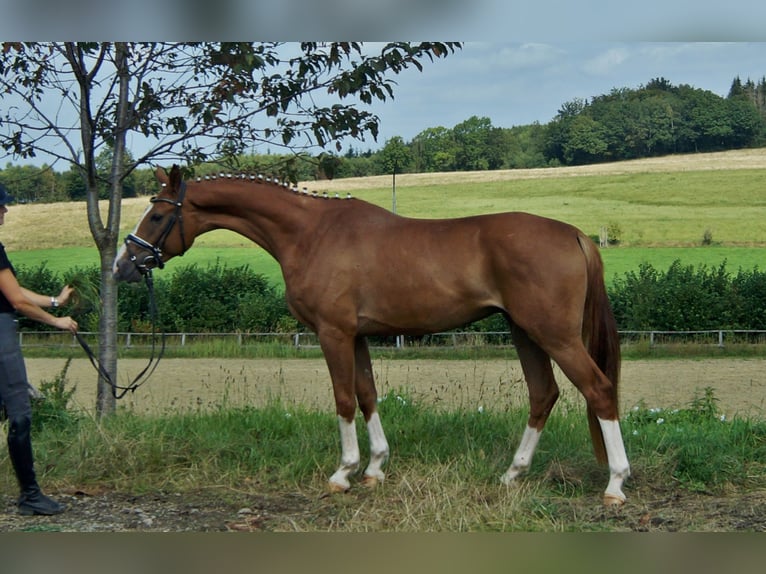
(600, 335)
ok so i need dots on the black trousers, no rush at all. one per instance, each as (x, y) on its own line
(15, 396)
(14, 392)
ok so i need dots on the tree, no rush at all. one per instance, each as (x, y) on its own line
(585, 143)
(434, 150)
(395, 155)
(472, 139)
(104, 162)
(30, 183)
(189, 102)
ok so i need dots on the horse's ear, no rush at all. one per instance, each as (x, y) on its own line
(161, 175)
(175, 178)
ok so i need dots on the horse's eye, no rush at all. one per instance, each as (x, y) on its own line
(155, 218)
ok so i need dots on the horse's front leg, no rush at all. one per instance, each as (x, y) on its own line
(367, 396)
(338, 349)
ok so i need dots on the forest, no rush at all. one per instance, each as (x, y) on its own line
(654, 119)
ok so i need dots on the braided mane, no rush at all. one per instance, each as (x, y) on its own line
(271, 180)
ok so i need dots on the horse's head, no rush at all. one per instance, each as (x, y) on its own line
(159, 234)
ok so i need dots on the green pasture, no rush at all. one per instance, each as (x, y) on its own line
(651, 209)
(661, 217)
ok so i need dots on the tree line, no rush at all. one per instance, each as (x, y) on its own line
(217, 298)
(655, 119)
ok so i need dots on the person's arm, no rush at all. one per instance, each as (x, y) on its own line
(17, 297)
(48, 300)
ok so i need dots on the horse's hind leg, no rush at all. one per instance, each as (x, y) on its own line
(601, 397)
(543, 393)
(367, 396)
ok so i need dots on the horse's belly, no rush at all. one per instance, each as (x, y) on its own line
(422, 313)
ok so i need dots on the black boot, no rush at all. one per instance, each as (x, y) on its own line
(32, 500)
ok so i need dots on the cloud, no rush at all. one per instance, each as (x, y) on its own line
(606, 62)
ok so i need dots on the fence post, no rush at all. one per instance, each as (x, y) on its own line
(720, 339)
(651, 338)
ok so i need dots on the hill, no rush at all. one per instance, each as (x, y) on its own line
(659, 203)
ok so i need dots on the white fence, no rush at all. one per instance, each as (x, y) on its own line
(59, 339)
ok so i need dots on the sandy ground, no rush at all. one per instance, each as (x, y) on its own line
(183, 384)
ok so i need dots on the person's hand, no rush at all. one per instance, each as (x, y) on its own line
(66, 292)
(66, 324)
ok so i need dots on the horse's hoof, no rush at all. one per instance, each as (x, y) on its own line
(509, 479)
(613, 500)
(371, 481)
(335, 488)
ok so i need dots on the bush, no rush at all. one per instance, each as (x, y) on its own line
(685, 298)
(217, 298)
(52, 407)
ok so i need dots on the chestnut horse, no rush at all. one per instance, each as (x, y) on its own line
(352, 269)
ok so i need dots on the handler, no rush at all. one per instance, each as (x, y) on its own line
(14, 388)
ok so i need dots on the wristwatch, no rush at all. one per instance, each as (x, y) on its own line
(54, 302)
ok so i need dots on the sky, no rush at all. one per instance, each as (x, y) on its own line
(521, 83)
(521, 60)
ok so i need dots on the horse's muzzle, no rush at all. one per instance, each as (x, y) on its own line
(125, 270)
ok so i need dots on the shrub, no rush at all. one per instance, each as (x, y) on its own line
(52, 407)
(684, 298)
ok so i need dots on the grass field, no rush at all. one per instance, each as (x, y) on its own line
(663, 207)
(694, 469)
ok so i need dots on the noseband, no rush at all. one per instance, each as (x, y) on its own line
(154, 259)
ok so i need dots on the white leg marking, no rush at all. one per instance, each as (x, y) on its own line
(619, 468)
(378, 451)
(523, 456)
(349, 458)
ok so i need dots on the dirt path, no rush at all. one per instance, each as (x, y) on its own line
(177, 384)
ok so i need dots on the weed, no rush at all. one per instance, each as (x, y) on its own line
(699, 446)
(52, 407)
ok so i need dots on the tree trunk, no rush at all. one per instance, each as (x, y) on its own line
(107, 245)
(107, 333)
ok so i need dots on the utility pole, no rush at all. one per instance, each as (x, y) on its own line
(399, 338)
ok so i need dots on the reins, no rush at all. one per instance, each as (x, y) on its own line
(117, 391)
(145, 266)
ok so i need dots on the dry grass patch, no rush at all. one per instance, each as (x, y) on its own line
(420, 498)
(737, 159)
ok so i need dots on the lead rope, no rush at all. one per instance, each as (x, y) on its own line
(117, 391)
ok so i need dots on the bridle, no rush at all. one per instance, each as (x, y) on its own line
(154, 258)
(145, 266)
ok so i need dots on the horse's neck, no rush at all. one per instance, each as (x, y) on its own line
(268, 215)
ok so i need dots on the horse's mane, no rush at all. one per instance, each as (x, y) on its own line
(268, 180)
